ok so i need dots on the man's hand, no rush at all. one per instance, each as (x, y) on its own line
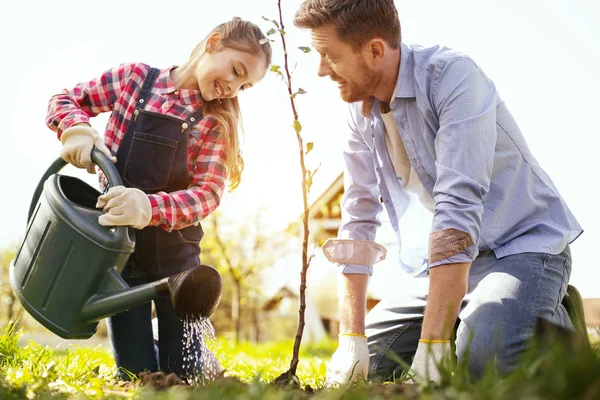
(350, 362)
(125, 206)
(78, 142)
(428, 358)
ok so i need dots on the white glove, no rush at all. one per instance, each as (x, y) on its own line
(125, 206)
(350, 362)
(78, 142)
(428, 358)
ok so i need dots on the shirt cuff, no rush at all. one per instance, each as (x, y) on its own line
(355, 269)
(466, 256)
(155, 220)
(78, 117)
(353, 252)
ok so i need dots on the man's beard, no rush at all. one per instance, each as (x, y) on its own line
(360, 91)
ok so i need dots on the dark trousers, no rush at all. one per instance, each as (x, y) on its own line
(132, 340)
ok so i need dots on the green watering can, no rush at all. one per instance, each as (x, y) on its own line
(67, 272)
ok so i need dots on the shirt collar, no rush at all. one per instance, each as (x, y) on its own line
(405, 86)
(165, 85)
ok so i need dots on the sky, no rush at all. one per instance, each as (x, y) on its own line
(543, 57)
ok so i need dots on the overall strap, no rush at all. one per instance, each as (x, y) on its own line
(147, 87)
(192, 120)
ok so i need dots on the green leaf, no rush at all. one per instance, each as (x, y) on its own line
(309, 147)
(297, 126)
(271, 31)
(275, 68)
(272, 21)
(301, 91)
(263, 41)
(309, 177)
(282, 32)
(308, 183)
(305, 49)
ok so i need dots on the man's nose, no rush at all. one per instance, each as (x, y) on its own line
(324, 68)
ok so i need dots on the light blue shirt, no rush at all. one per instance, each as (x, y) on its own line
(468, 153)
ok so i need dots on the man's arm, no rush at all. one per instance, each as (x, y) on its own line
(447, 288)
(466, 103)
(355, 253)
(352, 293)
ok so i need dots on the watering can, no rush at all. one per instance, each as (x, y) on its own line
(67, 272)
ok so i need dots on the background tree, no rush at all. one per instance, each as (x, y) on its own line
(240, 251)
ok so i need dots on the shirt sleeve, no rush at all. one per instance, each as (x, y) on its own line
(182, 208)
(87, 99)
(466, 104)
(360, 202)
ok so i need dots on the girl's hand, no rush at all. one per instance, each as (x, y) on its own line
(125, 206)
(78, 142)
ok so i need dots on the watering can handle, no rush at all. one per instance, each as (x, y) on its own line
(98, 158)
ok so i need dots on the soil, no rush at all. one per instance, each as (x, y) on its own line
(161, 381)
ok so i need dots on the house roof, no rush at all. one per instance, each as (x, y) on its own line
(329, 195)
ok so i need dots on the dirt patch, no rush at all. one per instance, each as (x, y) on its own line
(160, 380)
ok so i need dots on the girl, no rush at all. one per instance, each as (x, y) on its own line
(173, 135)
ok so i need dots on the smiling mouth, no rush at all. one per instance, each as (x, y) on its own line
(218, 90)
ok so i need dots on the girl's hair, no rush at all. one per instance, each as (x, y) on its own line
(245, 36)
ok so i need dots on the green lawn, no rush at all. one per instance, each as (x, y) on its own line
(32, 371)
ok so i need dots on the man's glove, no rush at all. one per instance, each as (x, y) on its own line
(125, 206)
(78, 142)
(428, 358)
(350, 362)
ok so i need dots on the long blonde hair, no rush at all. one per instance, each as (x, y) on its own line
(245, 36)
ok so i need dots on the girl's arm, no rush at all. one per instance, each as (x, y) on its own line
(87, 99)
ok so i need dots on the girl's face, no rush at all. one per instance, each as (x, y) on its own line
(223, 72)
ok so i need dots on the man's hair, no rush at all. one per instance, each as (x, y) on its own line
(356, 21)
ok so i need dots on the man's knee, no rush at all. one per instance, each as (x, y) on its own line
(496, 345)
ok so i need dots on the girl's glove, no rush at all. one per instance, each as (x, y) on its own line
(78, 142)
(125, 206)
(428, 358)
(350, 362)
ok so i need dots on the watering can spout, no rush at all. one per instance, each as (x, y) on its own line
(195, 293)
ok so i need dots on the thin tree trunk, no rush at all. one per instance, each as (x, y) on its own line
(238, 320)
(255, 322)
(305, 261)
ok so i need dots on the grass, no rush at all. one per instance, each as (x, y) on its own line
(33, 371)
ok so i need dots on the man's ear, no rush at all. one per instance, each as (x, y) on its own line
(212, 42)
(375, 50)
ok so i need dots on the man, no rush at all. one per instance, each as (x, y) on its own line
(429, 121)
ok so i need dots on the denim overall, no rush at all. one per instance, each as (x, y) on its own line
(153, 157)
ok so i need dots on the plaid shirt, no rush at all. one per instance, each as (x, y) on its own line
(116, 90)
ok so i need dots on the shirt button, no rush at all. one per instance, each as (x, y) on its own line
(176, 93)
(165, 105)
(192, 119)
(184, 125)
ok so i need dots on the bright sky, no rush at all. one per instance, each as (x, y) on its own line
(543, 56)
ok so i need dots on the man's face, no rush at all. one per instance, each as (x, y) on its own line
(356, 81)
